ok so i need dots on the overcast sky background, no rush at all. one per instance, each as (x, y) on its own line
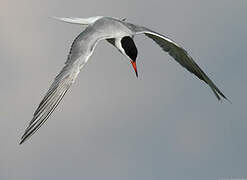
(166, 124)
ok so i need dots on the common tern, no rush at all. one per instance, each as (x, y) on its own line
(120, 34)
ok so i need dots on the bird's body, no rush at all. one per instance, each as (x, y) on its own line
(120, 34)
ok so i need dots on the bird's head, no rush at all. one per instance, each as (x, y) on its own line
(130, 50)
(127, 47)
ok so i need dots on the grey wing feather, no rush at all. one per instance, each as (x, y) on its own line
(180, 55)
(81, 49)
(58, 89)
(52, 98)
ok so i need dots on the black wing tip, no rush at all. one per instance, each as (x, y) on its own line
(24, 138)
(22, 141)
(221, 97)
(228, 100)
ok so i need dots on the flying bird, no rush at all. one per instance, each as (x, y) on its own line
(120, 34)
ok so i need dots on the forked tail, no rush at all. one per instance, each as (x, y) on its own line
(81, 21)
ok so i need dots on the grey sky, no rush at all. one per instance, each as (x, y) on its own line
(166, 124)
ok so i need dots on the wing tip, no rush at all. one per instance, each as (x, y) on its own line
(24, 137)
(22, 141)
(220, 96)
(228, 100)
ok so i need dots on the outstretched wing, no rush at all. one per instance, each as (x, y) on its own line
(76, 60)
(179, 54)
